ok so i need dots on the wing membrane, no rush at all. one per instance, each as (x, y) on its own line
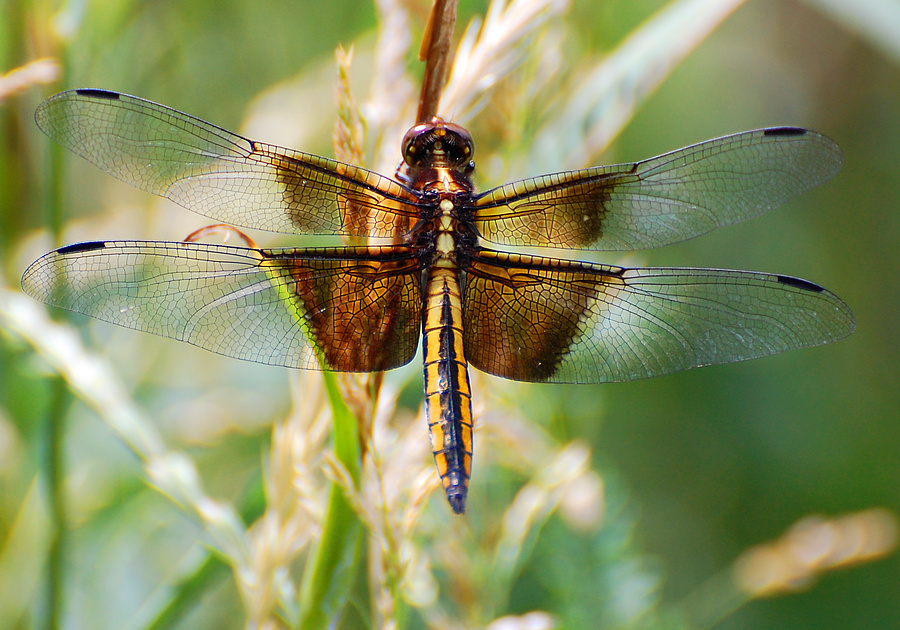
(541, 319)
(350, 309)
(662, 200)
(222, 175)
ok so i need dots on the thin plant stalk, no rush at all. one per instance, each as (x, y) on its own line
(54, 428)
(330, 572)
(435, 52)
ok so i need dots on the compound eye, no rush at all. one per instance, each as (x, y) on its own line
(463, 146)
(409, 155)
(412, 143)
(464, 153)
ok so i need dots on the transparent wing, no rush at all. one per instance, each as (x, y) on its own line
(541, 319)
(220, 174)
(662, 200)
(350, 309)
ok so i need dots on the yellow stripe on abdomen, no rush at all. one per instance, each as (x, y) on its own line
(448, 398)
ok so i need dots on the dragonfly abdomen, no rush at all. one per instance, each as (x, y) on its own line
(448, 398)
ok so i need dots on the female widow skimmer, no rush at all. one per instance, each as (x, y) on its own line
(362, 308)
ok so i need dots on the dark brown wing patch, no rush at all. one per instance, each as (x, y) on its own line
(523, 313)
(323, 196)
(362, 312)
(559, 210)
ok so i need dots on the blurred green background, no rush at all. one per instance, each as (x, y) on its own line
(705, 463)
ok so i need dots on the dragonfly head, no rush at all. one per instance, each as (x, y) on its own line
(438, 144)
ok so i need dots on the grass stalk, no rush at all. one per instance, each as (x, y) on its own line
(330, 572)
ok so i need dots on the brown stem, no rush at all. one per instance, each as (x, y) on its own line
(435, 52)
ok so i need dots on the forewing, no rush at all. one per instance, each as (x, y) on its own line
(542, 319)
(222, 175)
(348, 309)
(662, 200)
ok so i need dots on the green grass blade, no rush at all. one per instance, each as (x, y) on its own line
(330, 572)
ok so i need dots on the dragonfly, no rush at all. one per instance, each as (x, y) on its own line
(419, 268)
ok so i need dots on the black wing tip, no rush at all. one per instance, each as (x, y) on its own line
(81, 247)
(105, 95)
(785, 131)
(837, 330)
(799, 283)
(45, 121)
